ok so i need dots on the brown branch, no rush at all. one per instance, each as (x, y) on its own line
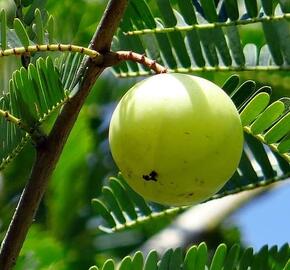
(113, 58)
(142, 59)
(49, 151)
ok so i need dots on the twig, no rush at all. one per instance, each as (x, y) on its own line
(51, 47)
(49, 151)
(142, 59)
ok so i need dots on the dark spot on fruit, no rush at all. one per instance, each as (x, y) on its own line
(151, 176)
(187, 133)
(190, 194)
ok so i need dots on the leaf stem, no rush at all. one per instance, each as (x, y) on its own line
(142, 59)
(50, 47)
(286, 16)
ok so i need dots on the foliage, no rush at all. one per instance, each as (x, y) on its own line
(197, 257)
(186, 36)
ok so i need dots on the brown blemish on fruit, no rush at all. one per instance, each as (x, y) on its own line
(185, 194)
(187, 133)
(151, 176)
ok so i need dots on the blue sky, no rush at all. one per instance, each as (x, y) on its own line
(267, 219)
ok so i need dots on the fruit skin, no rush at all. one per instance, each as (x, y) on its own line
(176, 138)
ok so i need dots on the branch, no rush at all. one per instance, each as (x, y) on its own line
(142, 59)
(49, 151)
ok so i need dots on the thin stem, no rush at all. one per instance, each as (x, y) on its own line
(208, 69)
(286, 16)
(51, 47)
(10, 118)
(142, 59)
(49, 151)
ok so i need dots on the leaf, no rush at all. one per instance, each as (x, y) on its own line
(24, 34)
(29, 15)
(33, 95)
(39, 27)
(151, 261)
(3, 30)
(194, 38)
(198, 258)
(50, 29)
(219, 257)
(21, 32)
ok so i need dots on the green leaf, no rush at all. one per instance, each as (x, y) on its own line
(201, 257)
(284, 145)
(232, 257)
(176, 259)
(165, 261)
(232, 9)
(268, 117)
(184, 44)
(279, 130)
(113, 204)
(109, 265)
(246, 259)
(3, 30)
(151, 261)
(39, 27)
(50, 29)
(254, 108)
(124, 200)
(33, 95)
(29, 15)
(209, 10)
(190, 258)
(21, 32)
(137, 261)
(252, 8)
(268, 6)
(231, 84)
(126, 264)
(104, 212)
(219, 257)
(197, 258)
(26, 3)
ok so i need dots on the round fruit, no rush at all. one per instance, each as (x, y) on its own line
(176, 138)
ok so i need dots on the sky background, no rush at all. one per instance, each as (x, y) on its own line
(267, 219)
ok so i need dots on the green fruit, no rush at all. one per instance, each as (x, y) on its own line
(176, 138)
